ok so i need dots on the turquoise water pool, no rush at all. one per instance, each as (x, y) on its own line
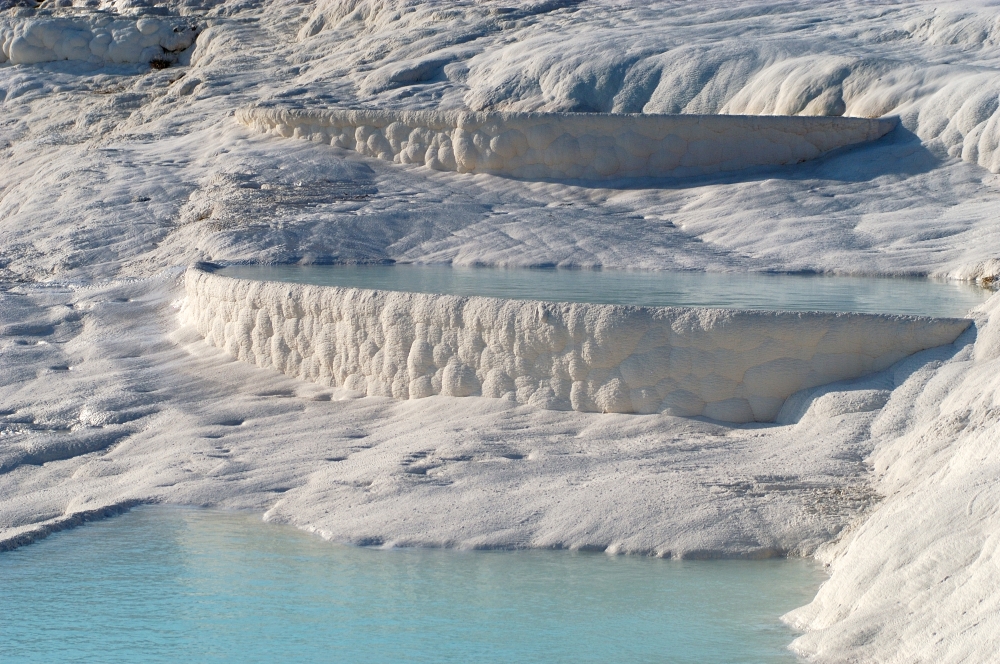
(172, 584)
(791, 292)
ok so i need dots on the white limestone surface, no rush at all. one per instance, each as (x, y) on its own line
(729, 365)
(107, 174)
(107, 402)
(921, 572)
(93, 36)
(570, 145)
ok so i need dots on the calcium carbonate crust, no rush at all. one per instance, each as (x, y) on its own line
(570, 145)
(729, 365)
(93, 36)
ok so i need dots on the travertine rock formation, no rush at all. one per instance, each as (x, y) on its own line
(736, 366)
(570, 145)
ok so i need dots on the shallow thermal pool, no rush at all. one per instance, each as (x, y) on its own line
(178, 584)
(791, 292)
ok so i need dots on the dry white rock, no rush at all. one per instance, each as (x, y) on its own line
(93, 36)
(570, 145)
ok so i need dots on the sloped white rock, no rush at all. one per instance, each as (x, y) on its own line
(735, 366)
(921, 571)
(570, 145)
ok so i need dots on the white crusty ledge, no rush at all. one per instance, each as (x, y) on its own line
(735, 366)
(570, 145)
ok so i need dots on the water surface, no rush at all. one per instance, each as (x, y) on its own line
(171, 584)
(790, 292)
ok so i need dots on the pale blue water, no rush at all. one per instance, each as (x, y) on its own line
(185, 585)
(790, 292)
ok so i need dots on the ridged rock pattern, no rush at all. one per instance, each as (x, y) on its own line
(570, 145)
(735, 366)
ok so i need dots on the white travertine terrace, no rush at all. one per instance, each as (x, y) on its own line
(93, 36)
(736, 366)
(571, 145)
